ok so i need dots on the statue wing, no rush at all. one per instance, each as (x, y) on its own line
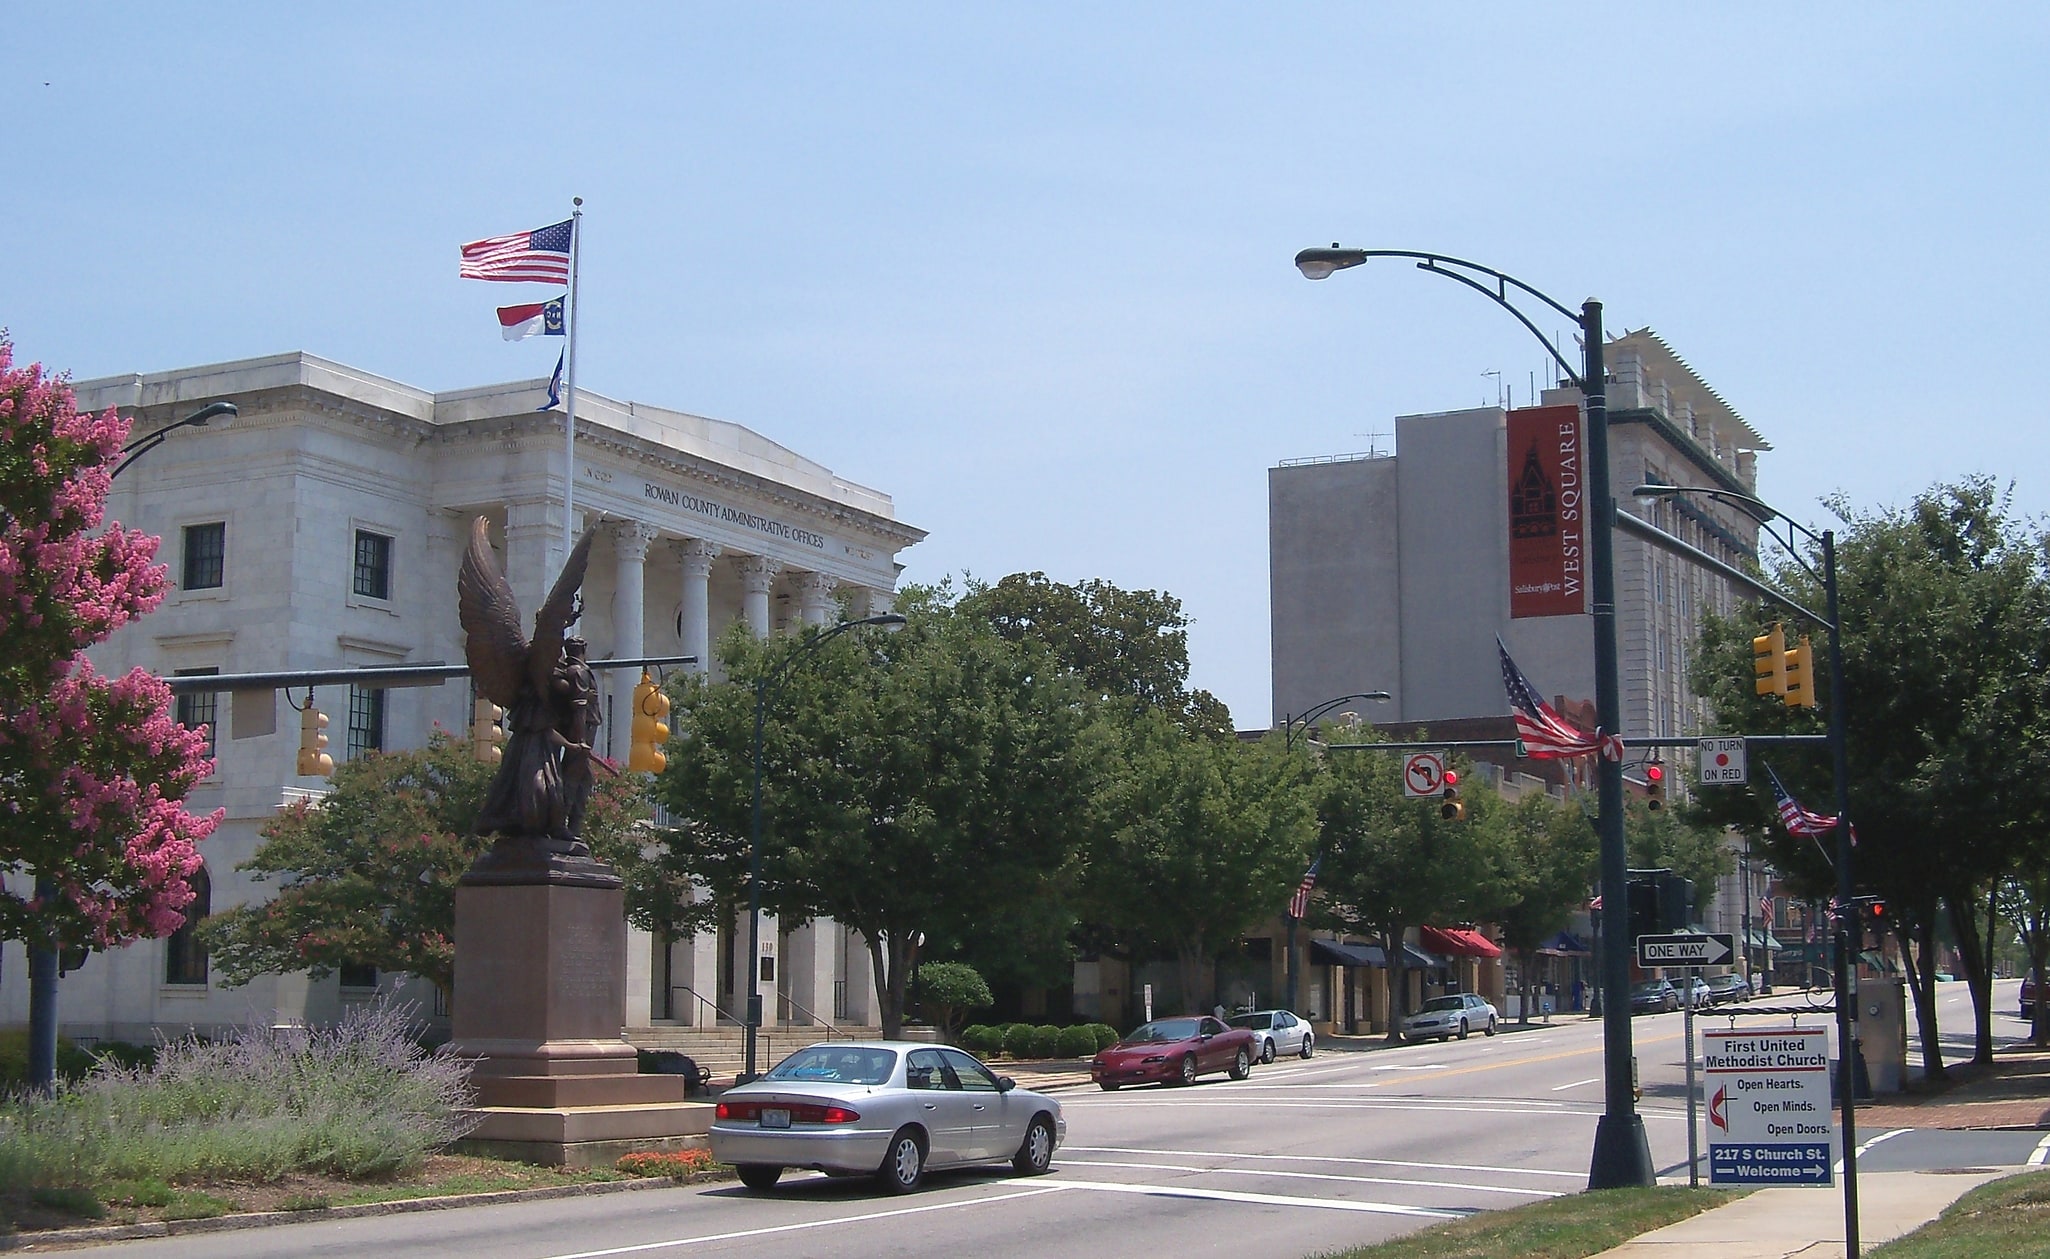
(495, 647)
(558, 614)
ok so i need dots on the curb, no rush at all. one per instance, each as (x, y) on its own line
(402, 1206)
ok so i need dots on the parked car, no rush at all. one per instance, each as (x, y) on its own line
(891, 1109)
(1695, 992)
(1174, 1051)
(2027, 1001)
(1653, 996)
(1454, 1014)
(1276, 1032)
(1723, 989)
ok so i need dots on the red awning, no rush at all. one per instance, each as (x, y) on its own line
(1459, 941)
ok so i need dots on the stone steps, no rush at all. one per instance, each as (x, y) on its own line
(722, 1051)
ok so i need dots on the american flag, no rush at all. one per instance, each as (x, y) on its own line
(1797, 820)
(541, 256)
(1544, 734)
(1765, 907)
(1299, 904)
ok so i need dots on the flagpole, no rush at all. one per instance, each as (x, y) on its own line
(569, 386)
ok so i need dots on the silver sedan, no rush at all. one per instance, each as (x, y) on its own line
(890, 1109)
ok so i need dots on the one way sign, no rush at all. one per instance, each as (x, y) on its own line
(1685, 950)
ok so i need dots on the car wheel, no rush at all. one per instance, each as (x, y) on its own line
(1462, 1029)
(760, 1177)
(1491, 1025)
(1266, 1051)
(1035, 1155)
(904, 1166)
(1242, 1065)
(1108, 1087)
(1188, 1070)
(1307, 1041)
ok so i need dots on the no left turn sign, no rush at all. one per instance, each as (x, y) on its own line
(1423, 774)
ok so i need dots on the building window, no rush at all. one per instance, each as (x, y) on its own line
(184, 952)
(206, 555)
(366, 721)
(373, 565)
(199, 711)
(357, 975)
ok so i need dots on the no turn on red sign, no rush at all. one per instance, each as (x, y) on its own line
(1722, 762)
(1423, 774)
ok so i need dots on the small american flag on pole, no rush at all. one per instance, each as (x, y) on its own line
(1545, 735)
(1299, 904)
(540, 256)
(1797, 820)
(1765, 907)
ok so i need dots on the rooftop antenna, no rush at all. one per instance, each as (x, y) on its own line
(1373, 447)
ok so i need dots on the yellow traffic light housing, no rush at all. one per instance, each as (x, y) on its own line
(1769, 661)
(486, 731)
(314, 762)
(650, 730)
(1800, 675)
(1452, 810)
(1654, 786)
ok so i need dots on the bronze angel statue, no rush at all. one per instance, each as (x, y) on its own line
(549, 695)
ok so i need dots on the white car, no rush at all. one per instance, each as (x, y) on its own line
(1454, 1014)
(1276, 1032)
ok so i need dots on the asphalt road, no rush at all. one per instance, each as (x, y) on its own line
(1346, 1148)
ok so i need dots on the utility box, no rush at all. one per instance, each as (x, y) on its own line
(1883, 1031)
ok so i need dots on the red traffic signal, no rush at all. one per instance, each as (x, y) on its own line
(1452, 810)
(1654, 786)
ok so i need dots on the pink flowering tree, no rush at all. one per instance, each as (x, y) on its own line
(93, 769)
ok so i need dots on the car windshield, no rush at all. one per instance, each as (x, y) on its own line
(1650, 988)
(1162, 1030)
(1442, 1003)
(836, 1064)
(1256, 1022)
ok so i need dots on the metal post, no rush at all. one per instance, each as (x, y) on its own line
(1744, 866)
(754, 885)
(1622, 1155)
(1293, 963)
(1693, 1130)
(1846, 892)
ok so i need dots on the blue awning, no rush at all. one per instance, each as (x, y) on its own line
(1565, 944)
(1334, 953)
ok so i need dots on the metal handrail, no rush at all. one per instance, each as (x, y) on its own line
(811, 1017)
(714, 1007)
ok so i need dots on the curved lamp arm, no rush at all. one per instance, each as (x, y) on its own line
(1309, 718)
(143, 445)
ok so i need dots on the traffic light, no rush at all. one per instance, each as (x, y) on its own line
(1871, 919)
(1800, 675)
(650, 732)
(485, 731)
(1676, 902)
(313, 758)
(1643, 896)
(1654, 786)
(1769, 661)
(1452, 810)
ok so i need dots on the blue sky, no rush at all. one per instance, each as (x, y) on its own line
(1028, 269)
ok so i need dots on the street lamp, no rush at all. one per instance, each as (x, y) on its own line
(1621, 1155)
(1846, 890)
(44, 966)
(1309, 719)
(766, 687)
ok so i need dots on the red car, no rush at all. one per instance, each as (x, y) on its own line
(2028, 998)
(1174, 1051)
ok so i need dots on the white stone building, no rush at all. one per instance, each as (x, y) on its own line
(321, 528)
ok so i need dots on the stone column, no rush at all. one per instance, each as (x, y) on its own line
(815, 597)
(696, 556)
(630, 542)
(533, 552)
(757, 574)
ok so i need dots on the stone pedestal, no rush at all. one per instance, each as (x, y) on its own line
(539, 1001)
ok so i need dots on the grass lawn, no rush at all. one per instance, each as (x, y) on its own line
(1571, 1227)
(2009, 1218)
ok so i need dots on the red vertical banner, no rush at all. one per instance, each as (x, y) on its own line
(1547, 513)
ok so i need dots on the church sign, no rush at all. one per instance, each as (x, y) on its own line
(1547, 513)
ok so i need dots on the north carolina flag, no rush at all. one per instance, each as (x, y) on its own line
(536, 319)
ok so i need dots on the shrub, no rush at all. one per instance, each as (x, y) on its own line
(675, 1164)
(1106, 1035)
(1078, 1041)
(72, 1062)
(981, 1040)
(1045, 1041)
(1018, 1040)
(948, 991)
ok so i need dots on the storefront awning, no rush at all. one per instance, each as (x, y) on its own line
(1764, 940)
(1458, 941)
(1565, 944)
(1333, 953)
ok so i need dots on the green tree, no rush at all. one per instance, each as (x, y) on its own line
(1201, 840)
(912, 784)
(948, 991)
(1944, 607)
(1125, 645)
(367, 873)
(1552, 850)
(1392, 863)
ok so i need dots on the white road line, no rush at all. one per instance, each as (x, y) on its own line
(2041, 1152)
(1258, 1199)
(1466, 1186)
(1560, 1088)
(644, 1247)
(1884, 1136)
(1323, 1158)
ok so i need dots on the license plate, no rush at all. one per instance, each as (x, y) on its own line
(775, 1118)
